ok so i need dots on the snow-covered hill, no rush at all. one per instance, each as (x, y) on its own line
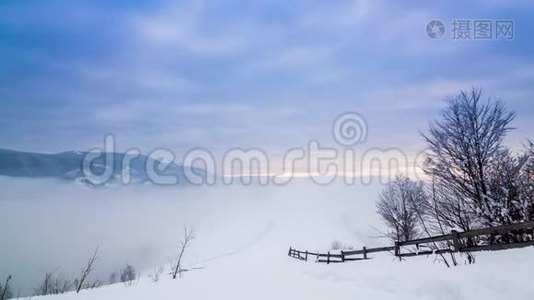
(243, 234)
(503, 275)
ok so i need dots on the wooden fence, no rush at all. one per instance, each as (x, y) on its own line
(518, 235)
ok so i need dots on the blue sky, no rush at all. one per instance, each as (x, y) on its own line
(268, 74)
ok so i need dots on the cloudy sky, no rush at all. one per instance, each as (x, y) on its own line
(268, 74)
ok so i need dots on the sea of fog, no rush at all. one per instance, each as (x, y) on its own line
(52, 226)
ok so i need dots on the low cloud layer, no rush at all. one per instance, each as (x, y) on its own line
(55, 226)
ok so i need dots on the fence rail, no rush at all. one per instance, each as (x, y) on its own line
(511, 236)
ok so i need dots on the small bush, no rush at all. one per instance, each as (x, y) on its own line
(156, 274)
(113, 278)
(336, 245)
(128, 275)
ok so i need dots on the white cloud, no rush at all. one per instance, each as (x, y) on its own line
(179, 28)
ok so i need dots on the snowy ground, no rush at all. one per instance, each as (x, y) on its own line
(505, 275)
(241, 249)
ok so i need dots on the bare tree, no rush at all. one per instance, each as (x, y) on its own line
(438, 220)
(46, 286)
(52, 285)
(176, 262)
(397, 205)
(463, 144)
(95, 284)
(156, 274)
(79, 283)
(5, 292)
(419, 202)
(128, 275)
(450, 210)
(62, 285)
(526, 183)
(505, 188)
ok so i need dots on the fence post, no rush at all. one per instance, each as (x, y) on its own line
(364, 252)
(290, 250)
(456, 240)
(306, 257)
(342, 256)
(397, 250)
(328, 258)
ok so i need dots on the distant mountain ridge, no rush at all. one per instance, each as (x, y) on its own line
(69, 166)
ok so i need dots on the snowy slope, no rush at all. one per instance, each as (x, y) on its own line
(502, 275)
(241, 248)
